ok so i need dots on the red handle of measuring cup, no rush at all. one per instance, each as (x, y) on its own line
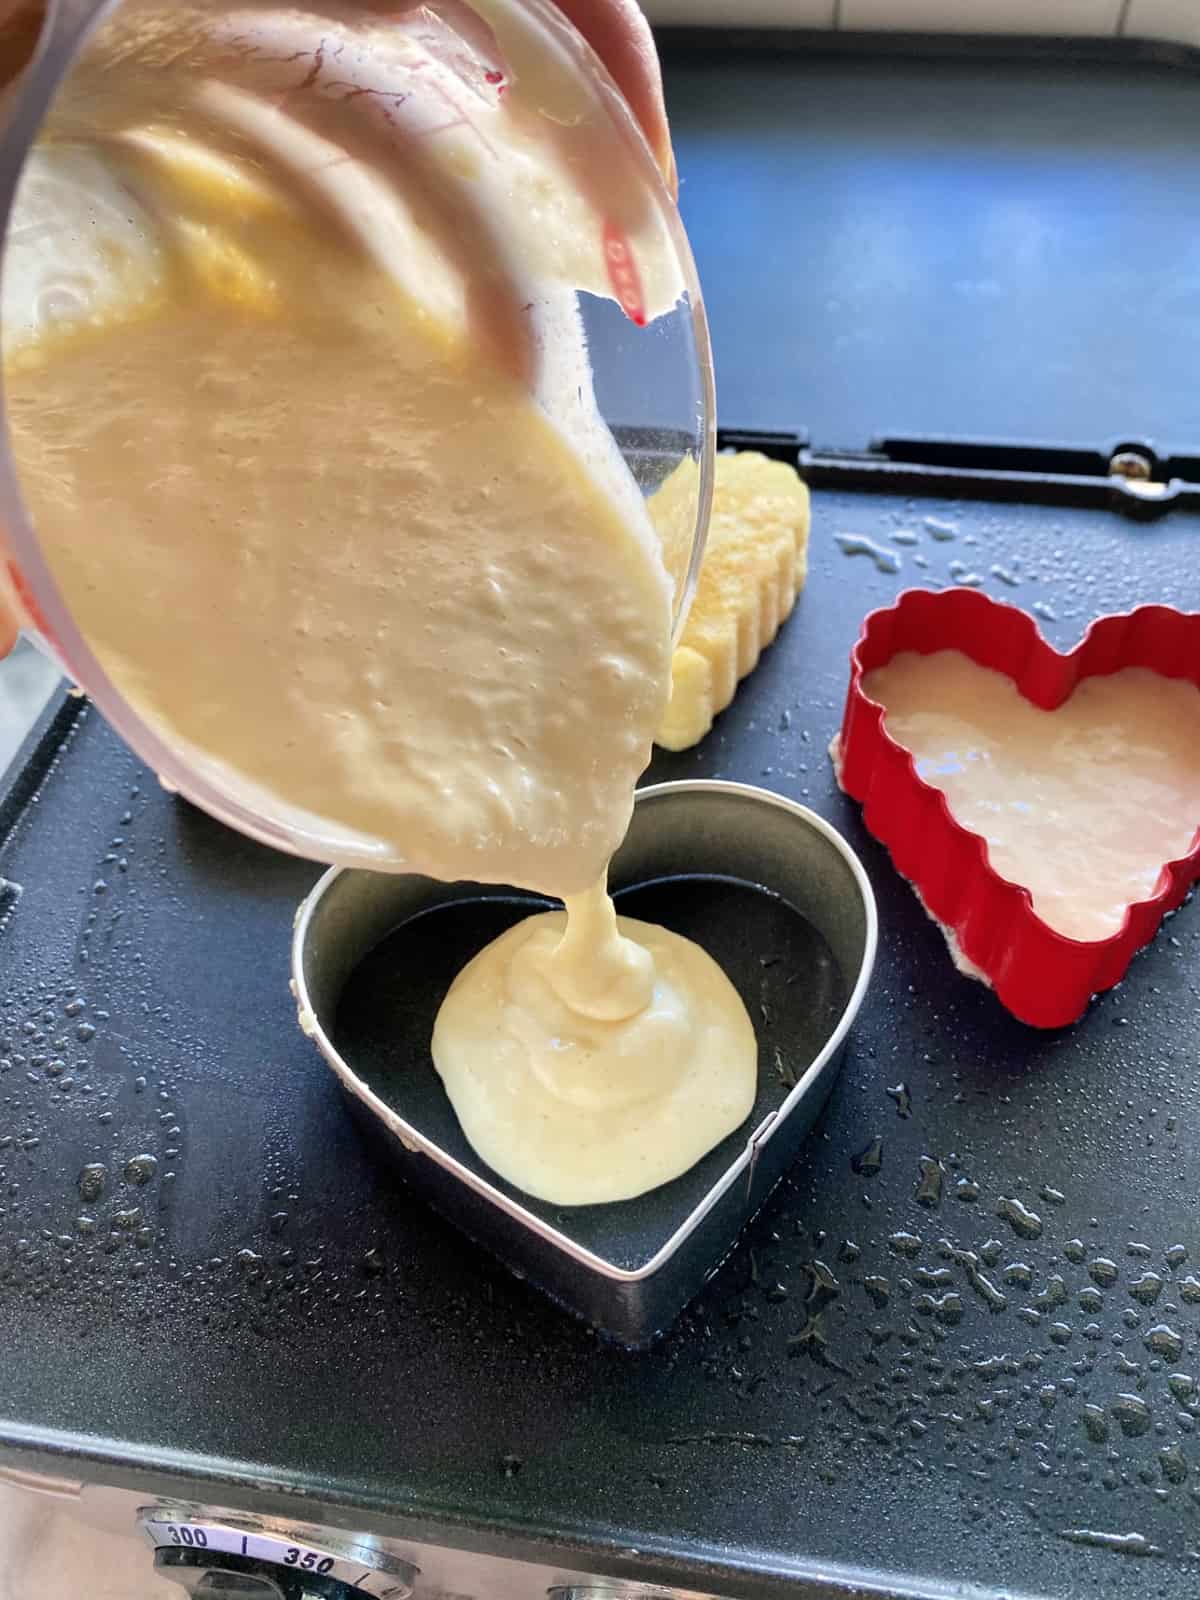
(12, 611)
(19, 609)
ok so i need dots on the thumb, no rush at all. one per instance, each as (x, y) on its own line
(619, 33)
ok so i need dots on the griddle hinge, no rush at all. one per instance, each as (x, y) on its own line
(1128, 475)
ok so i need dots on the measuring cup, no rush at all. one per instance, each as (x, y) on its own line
(476, 149)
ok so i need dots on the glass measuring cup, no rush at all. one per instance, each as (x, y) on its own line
(477, 150)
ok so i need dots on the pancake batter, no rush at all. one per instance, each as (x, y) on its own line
(586, 1068)
(1084, 805)
(361, 556)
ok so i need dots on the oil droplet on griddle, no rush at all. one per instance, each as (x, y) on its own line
(1146, 1289)
(1162, 1340)
(92, 1180)
(868, 1161)
(855, 544)
(1132, 1414)
(1024, 1222)
(929, 1185)
(902, 1095)
(941, 529)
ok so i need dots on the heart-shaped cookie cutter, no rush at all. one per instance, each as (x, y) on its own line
(1043, 977)
(627, 1268)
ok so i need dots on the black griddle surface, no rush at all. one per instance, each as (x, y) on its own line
(848, 1403)
(293, 1317)
(987, 246)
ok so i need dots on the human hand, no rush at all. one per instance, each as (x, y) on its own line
(618, 32)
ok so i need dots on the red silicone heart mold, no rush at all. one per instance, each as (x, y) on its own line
(1043, 977)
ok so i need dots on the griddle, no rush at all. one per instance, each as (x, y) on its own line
(958, 1353)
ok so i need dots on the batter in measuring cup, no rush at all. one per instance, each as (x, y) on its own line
(477, 680)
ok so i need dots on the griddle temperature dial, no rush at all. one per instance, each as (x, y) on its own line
(216, 1557)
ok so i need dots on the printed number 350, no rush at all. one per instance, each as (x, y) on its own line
(310, 1560)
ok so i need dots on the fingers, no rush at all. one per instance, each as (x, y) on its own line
(618, 32)
(303, 98)
(20, 25)
(380, 134)
(8, 628)
(328, 85)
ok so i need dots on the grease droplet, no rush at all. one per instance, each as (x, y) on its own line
(905, 1244)
(1024, 1222)
(868, 1161)
(1162, 1340)
(1173, 1463)
(940, 529)
(902, 1095)
(856, 544)
(91, 1181)
(1095, 1424)
(140, 1169)
(1132, 1414)
(1146, 1289)
(1122, 1544)
(946, 1308)
(929, 1186)
(1053, 1295)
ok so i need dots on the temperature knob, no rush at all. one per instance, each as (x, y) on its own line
(219, 1556)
